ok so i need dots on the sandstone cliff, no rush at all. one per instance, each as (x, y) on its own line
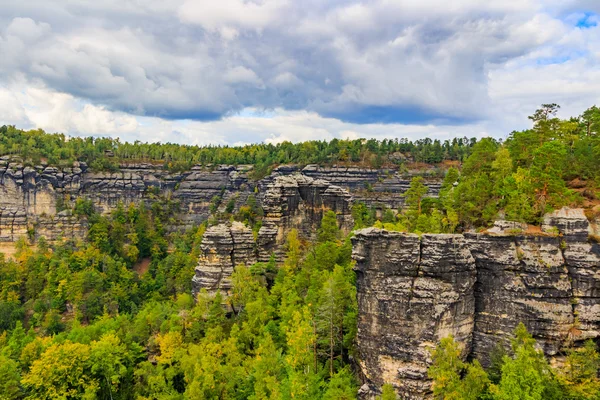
(32, 197)
(298, 202)
(414, 291)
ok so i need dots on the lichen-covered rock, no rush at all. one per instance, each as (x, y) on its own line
(223, 247)
(411, 293)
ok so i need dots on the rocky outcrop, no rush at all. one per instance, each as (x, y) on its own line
(290, 202)
(477, 287)
(411, 293)
(32, 197)
(298, 202)
(223, 247)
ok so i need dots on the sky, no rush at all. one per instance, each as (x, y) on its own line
(247, 71)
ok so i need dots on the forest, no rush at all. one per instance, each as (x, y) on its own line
(105, 153)
(80, 320)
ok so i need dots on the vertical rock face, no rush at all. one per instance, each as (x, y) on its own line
(477, 287)
(520, 279)
(297, 201)
(385, 186)
(411, 293)
(223, 248)
(582, 258)
(30, 197)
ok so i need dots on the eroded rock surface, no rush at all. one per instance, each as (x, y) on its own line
(298, 202)
(223, 247)
(477, 287)
(411, 293)
(31, 197)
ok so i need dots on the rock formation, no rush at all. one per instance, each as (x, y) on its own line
(290, 202)
(414, 291)
(31, 197)
(297, 201)
(374, 187)
(223, 247)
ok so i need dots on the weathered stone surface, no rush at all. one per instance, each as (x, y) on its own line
(42, 191)
(298, 201)
(520, 279)
(571, 222)
(411, 293)
(385, 186)
(478, 287)
(34, 193)
(223, 247)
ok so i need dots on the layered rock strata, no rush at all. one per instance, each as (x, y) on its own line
(223, 247)
(411, 293)
(479, 287)
(298, 202)
(33, 196)
(382, 188)
(290, 202)
(36, 196)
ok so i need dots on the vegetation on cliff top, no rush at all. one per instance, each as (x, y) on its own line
(554, 164)
(105, 153)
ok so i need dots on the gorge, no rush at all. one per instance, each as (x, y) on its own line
(412, 290)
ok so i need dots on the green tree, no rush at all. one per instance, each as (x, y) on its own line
(579, 375)
(526, 375)
(452, 377)
(335, 299)
(63, 371)
(590, 119)
(475, 198)
(388, 393)
(415, 194)
(329, 230)
(341, 386)
(267, 370)
(301, 358)
(10, 388)
(549, 162)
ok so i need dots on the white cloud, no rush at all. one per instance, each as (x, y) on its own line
(232, 14)
(120, 66)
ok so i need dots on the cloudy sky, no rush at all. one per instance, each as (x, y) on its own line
(240, 71)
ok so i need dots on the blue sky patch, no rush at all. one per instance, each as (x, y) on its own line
(588, 20)
(408, 115)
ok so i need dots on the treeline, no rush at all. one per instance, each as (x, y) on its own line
(554, 164)
(105, 153)
(82, 321)
(522, 372)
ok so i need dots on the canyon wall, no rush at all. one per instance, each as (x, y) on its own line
(413, 291)
(36, 201)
